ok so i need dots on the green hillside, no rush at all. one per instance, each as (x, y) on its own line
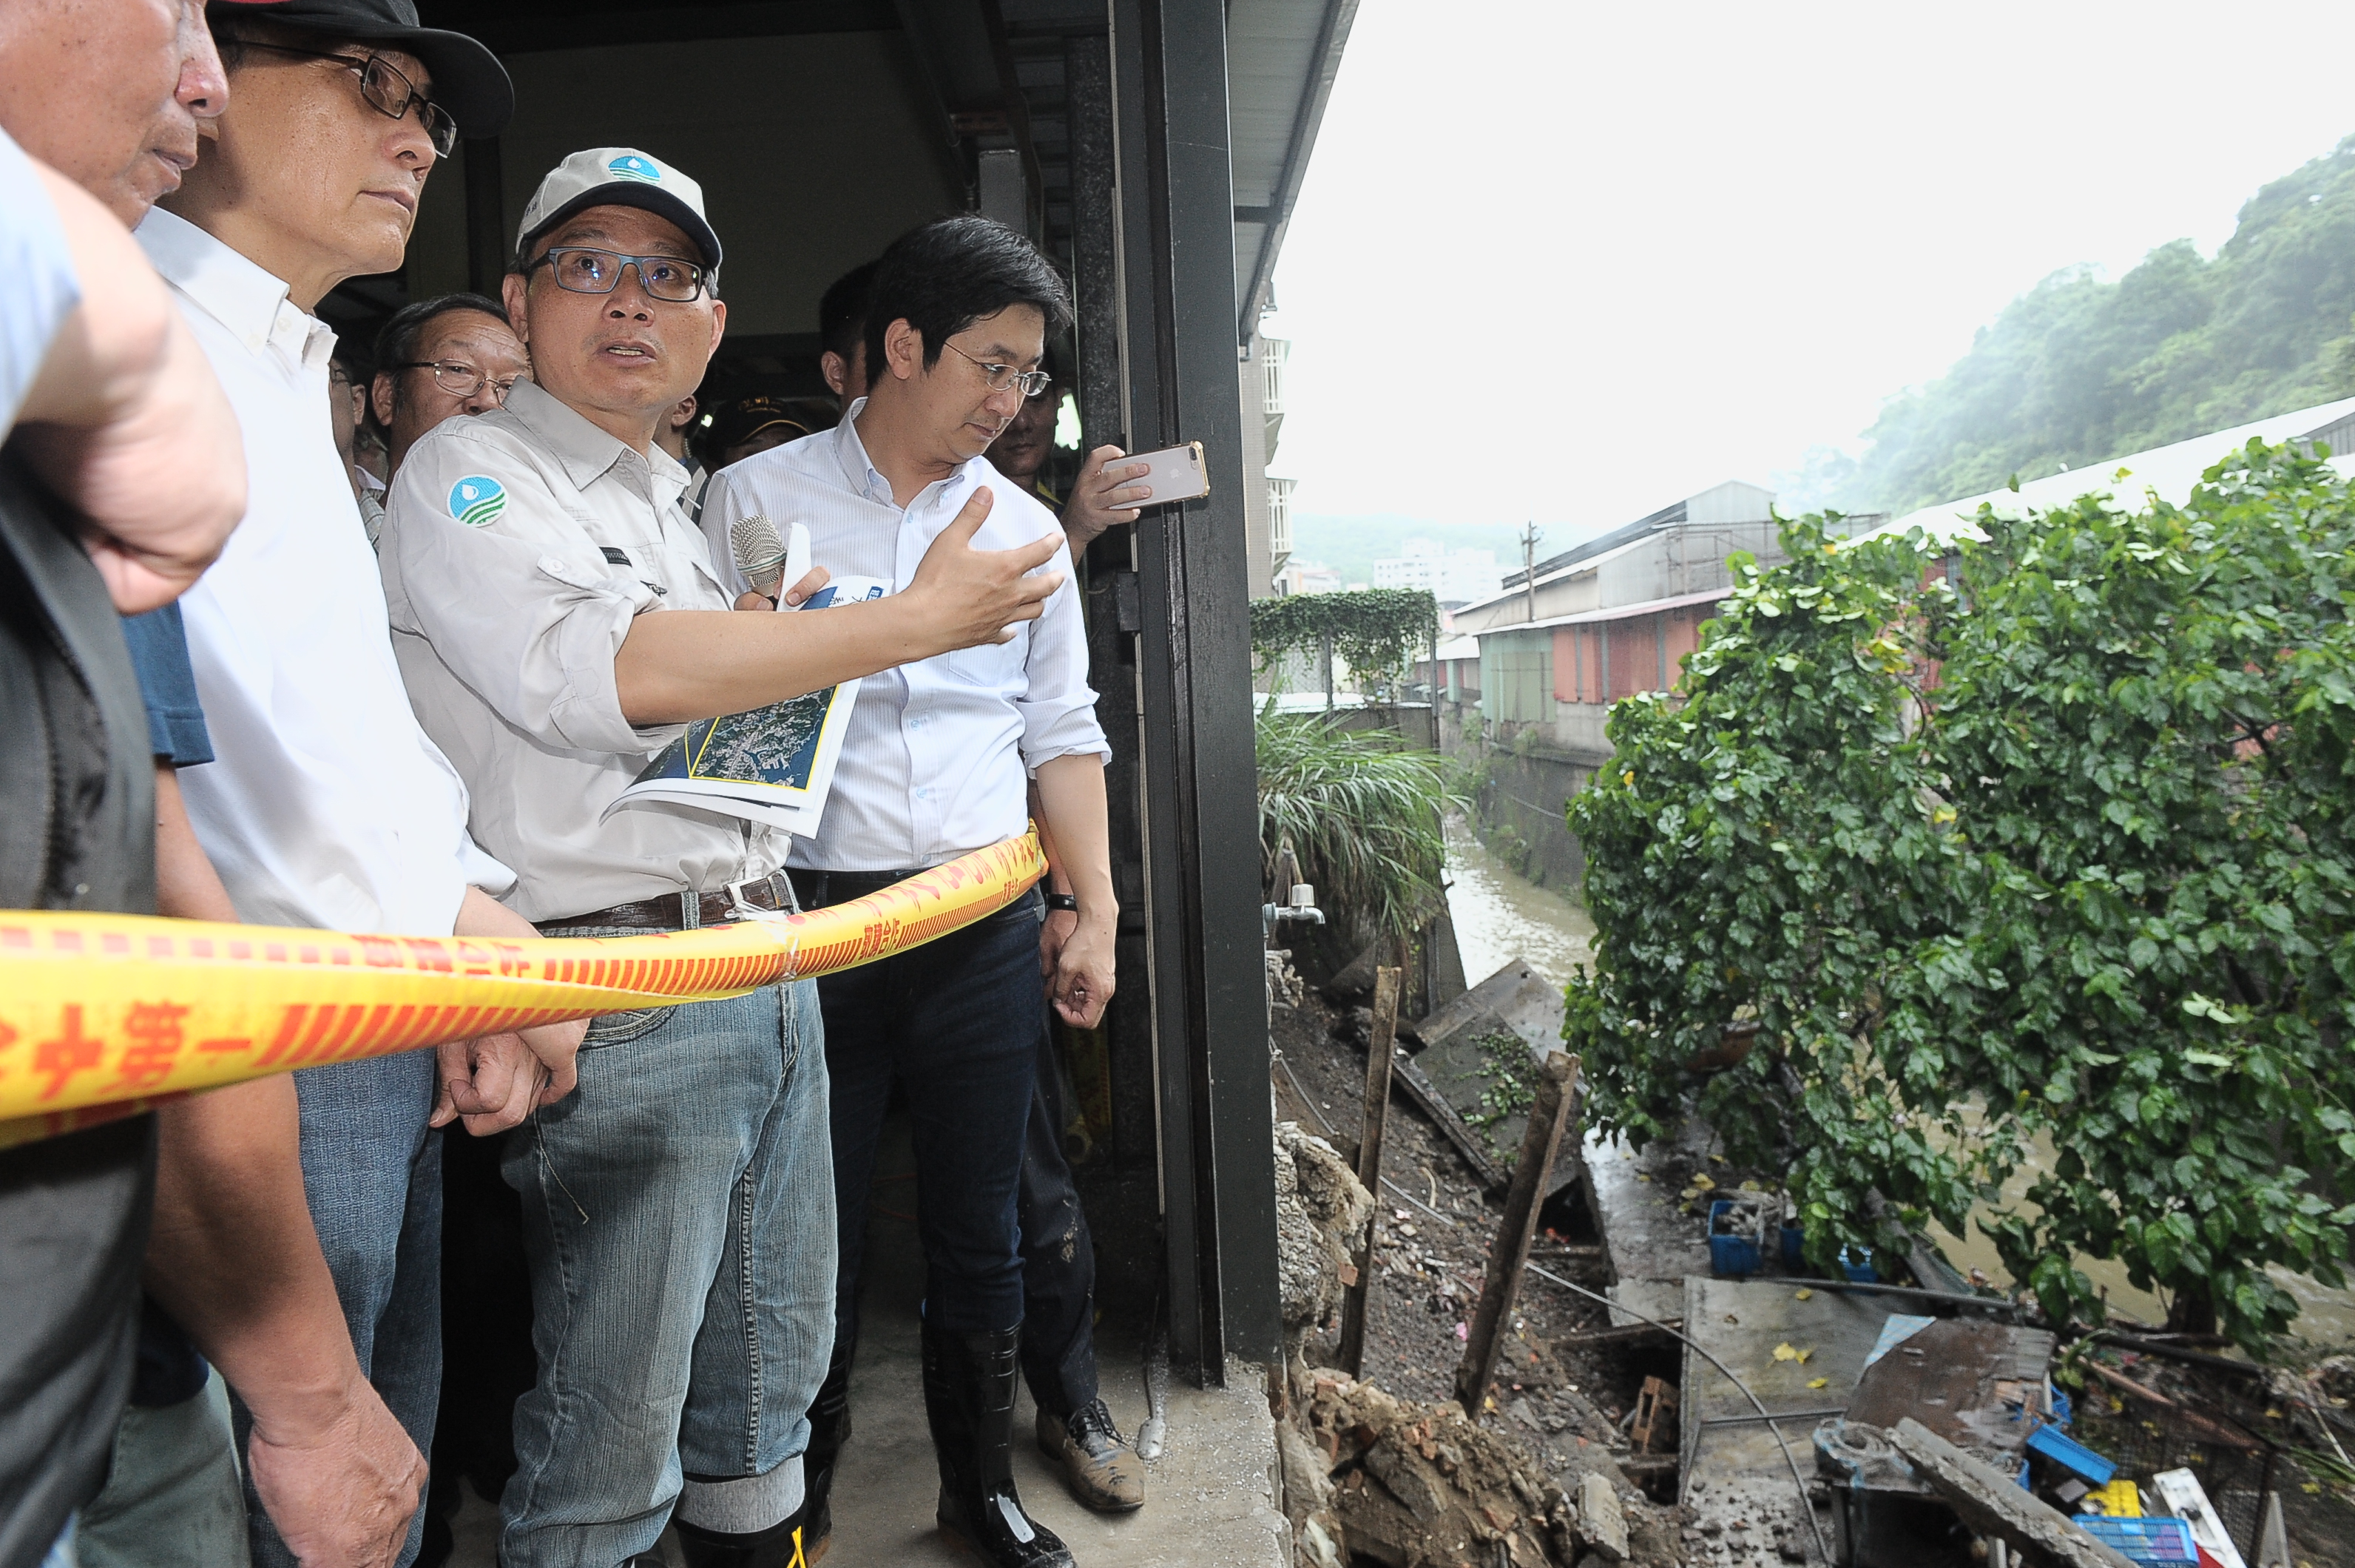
(2079, 370)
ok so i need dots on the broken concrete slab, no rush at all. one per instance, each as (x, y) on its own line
(1483, 1052)
(1653, 1244)
(1735, 1476)
(1516, 997)
(1601, 1525)
(1988, 1503)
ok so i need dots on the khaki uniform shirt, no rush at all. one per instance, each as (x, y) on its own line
(519, 547)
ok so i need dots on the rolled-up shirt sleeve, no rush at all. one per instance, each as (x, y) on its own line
(521, 606)
(1057, 705)
(42, 289)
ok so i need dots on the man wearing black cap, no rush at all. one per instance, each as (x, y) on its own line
(325, 804)
(557, 619)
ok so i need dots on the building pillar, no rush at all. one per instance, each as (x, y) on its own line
(1203, 882)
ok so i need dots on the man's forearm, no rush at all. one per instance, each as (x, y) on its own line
(1071, 809)
(234, 1260)
(232, 1256)
(678, 666)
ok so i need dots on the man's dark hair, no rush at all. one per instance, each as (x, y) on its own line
(842, 311)
(396, 344)
(945, 276)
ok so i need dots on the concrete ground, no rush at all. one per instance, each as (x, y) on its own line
(1211, 1499)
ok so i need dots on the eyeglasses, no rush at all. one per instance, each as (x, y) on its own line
(461, 380)
(584, 271)
(387, 91)
(997, 378)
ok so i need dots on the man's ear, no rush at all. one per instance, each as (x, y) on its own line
(903, 351)
(836, 373)
(514, 289)
(719, 323)
(383, 396)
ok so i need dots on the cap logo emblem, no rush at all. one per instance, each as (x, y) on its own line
(630, 167)
(477, 500)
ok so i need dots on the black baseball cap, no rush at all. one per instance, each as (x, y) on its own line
(468, 79)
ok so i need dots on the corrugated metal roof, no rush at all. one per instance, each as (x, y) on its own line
(1616, 613)
(2171, 471)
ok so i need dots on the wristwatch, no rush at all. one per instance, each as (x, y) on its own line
(1063, 901)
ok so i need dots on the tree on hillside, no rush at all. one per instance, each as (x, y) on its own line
(2078, 370)
(2060, 849)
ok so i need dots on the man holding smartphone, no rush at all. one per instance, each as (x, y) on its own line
(936, 763)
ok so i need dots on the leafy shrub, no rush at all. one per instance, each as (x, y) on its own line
(1362, 811)
(2061, 848)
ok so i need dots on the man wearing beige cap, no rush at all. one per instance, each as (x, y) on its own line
(558, 619)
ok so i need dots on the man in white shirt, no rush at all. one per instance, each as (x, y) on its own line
(557, 619)
(326, 805)
(935, 762)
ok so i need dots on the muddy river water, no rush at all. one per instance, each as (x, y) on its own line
(1500, 915)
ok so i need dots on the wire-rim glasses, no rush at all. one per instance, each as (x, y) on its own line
(386, 88)
(585, 270)
(997, 378)
(461, 380)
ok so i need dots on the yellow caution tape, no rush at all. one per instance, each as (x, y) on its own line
(103, 1014)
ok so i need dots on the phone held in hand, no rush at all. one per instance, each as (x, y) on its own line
(1176, 473)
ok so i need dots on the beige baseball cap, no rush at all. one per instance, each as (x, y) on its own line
(620, 176)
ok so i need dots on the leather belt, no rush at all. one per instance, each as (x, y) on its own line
(685, 911)
(816, 889)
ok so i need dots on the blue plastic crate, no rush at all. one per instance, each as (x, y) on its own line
(1730, 1257)
(2153, 1543)
(2071, 1455)
(1795, 1246)
(1857, 1263)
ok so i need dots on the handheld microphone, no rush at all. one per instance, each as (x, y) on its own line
(760, 552)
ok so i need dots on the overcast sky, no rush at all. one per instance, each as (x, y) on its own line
(1572, 262)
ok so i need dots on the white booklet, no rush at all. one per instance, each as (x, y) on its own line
(774, 765)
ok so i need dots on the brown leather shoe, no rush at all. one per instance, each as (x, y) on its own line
(1101, 1468)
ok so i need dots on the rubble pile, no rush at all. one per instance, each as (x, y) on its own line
(1420, 1485)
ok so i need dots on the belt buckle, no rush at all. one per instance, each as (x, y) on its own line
(744, 908)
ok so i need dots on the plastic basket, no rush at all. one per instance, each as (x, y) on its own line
(2153, 1543)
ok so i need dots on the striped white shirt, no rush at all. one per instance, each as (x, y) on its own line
(938, 754)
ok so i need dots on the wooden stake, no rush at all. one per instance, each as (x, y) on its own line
(1380, 1047)
(1556, 1107)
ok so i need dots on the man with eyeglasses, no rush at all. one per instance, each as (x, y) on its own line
(935, 762)
(326, 805)
(439, 358)
(558, 619)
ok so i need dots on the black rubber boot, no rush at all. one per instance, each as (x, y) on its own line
(779, 1546)
(829, 1419)
(969, 1400)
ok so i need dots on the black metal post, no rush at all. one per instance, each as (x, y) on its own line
(1201, 821)
(1110, 573)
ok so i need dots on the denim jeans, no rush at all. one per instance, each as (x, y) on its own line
(678, 1213)
(172, 1492)
(958, 1021)
(1058, 1257)
(372, 1171)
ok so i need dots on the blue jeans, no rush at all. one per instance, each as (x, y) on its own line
(372, 1171)
(1058, 1257)
(678, 1215)
(958, 1022)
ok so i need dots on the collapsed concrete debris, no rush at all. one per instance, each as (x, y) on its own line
(1414, 1485)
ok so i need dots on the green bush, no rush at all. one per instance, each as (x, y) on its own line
(2064, 852)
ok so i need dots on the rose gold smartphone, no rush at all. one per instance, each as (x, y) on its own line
(1178, 473)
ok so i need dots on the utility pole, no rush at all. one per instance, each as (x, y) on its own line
(1529, 537)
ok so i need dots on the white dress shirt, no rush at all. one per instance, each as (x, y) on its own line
(518, 548)
(42, 288)
(936, 760)
(326, 805)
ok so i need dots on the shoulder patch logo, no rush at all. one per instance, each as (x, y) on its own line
(477, 500)
(630, 167)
